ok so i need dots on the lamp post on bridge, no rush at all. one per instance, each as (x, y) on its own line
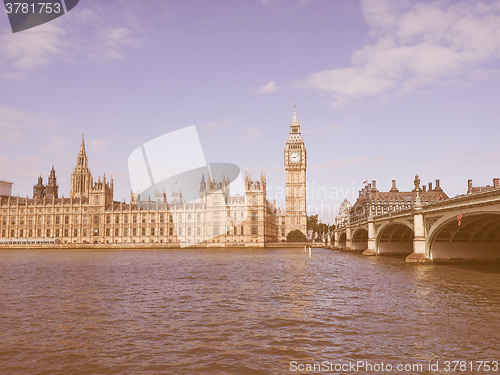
(419, 254)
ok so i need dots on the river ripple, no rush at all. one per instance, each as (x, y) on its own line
(237, 311)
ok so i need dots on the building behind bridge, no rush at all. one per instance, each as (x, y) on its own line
(393, 200)
(476, 189)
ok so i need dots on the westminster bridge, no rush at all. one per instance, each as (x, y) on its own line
(464, 228)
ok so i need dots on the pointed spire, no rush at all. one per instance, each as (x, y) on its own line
(82, 155)
(203, 184)
(82, 146)
(295, 121)
(52, 174)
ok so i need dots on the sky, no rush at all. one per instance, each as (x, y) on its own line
(384, 90)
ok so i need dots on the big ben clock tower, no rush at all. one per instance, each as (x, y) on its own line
(295, 175)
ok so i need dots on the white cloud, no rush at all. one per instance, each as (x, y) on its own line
(111, 38)
(15, 124)
(80, 35)
(31, 49)
(481, 74)
(415, 45)
(268, 88)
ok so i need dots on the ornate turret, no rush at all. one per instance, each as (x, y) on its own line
(39, 189)
(52, 188)
(176, 195)
(262, 180)
(81, 179)
(203, 184)
(295, 127)
(102, 192)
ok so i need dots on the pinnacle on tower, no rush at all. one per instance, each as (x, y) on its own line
(52, 174)
(81, 179)
(82, 145)
(295, 121)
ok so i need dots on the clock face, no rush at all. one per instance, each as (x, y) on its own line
(294, 157)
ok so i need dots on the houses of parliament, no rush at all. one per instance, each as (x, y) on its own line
(90, 215)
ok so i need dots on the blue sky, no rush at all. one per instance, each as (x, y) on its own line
(384, 90)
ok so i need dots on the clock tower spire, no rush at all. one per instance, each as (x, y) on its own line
(295, 175)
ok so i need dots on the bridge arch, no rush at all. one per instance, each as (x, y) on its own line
(395, 238)
(360, 239)
(342, 240)
(476, 238)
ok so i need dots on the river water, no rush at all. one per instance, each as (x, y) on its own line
(242, 311)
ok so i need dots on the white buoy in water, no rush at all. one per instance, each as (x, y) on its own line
(310, 251)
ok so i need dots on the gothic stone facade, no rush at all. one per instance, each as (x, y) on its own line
(91, 216)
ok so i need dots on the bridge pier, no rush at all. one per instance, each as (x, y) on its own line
(371, 250)
(336, 243)
(348, 239)
(419, 254)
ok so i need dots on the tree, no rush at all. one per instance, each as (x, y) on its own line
(296, 236)
(312, 222)
(322, 229)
